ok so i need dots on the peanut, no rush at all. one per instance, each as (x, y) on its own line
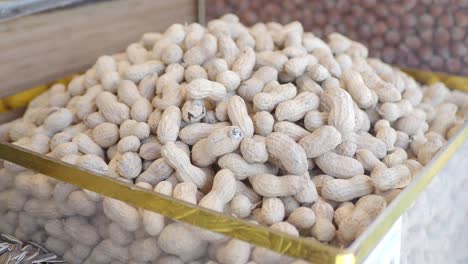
(219, 142)
(339, 166)
(322, 140)
(342, 190)
(222, 191)
(180, 161)
(388, 178)
(290, 129)
(243, 169)
(255, 84)
(268, 100)
(269, 185)
(386, 133)
(244, 63)
(295, 109)
(323, 228)
(393, 111)
(302, 218)
(202, 88)
(315, 119)
(254, 149)
(292, 159)
(238, 115)
(263, 123)
(365, 211)
(240, 206)
(169, 125)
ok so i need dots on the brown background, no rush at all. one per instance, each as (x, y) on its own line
(424, 34)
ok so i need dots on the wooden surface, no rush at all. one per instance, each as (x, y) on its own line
(40, 48)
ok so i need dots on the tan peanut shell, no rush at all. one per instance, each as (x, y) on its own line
(219, 142)
(341, 190)
(222, 191)
(263, 123)
(254, 149)
(315, 119)
(243, 169)
(202, 88)
(254, 85)
(388, 178)
(169, 125)
(293, 159)
(268, 100)
(269, 185)
(238, 115)
(339, 166)
(295, 109)
(320, 141)
(292, 130)
(180, 161)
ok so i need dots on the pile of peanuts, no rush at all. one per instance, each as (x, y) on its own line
(269, 124)
(422, 34)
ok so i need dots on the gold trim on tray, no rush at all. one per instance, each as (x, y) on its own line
(255, 234)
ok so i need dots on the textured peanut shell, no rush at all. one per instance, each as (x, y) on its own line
(186, 191)
(221, 193)
(341, 190)
(129, 165)
(249, 88)
(238, 115)
(158, 171)
(263, 123)
(292, 130)
(202, 88)
(388, 178)
(398, 156)
(308, 194)
(356, 87)
(273, 59)
(343, 211)
(106, 134)
(268, 100)
(339, 166)
(272, 211)
(240, 206)
(169, 125)
(365, 140)
(254, 149)
(219, 142)
(234, 251)
(243, 169)
(292, 158)
(193, 111)
(302, 217)
(367, 159)
(269, 185)
(295, 109)
(315, 119)
(180, 161)
(322, 140)
(125, 215)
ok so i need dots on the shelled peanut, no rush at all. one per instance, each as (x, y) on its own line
(268, 124)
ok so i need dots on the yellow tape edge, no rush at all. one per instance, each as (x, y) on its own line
(452, 81)
(345, 258)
